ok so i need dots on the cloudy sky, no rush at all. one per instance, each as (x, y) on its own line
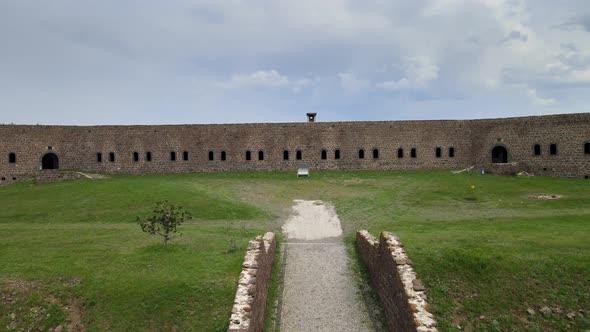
(181, 61)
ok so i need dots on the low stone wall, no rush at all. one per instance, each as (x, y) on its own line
(56, 176)
(43, 176)
(402, 295)
(4, 180)
(505, 169)
(250, 301)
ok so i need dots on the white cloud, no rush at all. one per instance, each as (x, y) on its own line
(570, 67)
(263, 78)
(352, 83)
(538, 101)
(418, 73)
(270, 79)
(516, 36)
(394, 85)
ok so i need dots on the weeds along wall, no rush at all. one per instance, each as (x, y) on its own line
(379, 145)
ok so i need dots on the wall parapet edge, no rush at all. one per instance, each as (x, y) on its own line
(401, 294)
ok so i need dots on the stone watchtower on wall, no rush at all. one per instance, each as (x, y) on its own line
(311, 117)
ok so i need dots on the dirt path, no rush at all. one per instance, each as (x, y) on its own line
(320, 293)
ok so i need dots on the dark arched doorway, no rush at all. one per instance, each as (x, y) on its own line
(50, 161)
(499, 155)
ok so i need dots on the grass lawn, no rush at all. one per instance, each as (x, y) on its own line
(72, 250)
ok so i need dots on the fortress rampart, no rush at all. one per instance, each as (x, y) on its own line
(545, 145)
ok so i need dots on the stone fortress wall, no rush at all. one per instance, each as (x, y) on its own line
(387, 145)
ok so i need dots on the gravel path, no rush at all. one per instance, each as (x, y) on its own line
(319, 291)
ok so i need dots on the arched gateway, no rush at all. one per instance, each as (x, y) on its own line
(499, 155)
(50, 161)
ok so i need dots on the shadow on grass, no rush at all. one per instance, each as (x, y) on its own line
(272, 315)
(364, 284)
(161, 249)
(472, 262)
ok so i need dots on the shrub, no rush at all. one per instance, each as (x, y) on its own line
(165, 221)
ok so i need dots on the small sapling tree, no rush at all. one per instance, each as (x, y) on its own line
(165, 220)
(231, 239)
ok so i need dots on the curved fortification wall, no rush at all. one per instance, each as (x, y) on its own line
(544, 145)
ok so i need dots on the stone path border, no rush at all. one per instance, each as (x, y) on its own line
(250, 301)
(402, 296)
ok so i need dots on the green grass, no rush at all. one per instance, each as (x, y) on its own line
(489, 252)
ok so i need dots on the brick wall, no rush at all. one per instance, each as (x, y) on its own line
(252, 292)
(56, 175)
(402, 296)
(45, 176)
(473, 140)
(519, 135)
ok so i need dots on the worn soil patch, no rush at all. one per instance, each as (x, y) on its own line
(75, 311)
(29, 304)
(312, 220)
(93, 175)
(546, 196)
